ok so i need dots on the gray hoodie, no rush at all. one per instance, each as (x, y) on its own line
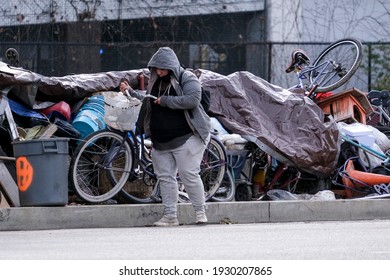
(188, 95)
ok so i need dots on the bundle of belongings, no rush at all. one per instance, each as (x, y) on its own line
(286, 125)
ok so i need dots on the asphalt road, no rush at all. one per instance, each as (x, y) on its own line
(311, 250)
(348, 240)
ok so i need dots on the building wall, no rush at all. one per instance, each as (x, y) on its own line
(20, 12)
(211, 31)
(326, 21)
(222, 35)
(309, 21)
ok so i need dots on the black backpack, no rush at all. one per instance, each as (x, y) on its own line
(205, 98)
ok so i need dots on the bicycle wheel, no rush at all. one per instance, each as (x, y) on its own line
(101, 165)
(212, 169)
(213, 166)
(226, 190)
(344, 56)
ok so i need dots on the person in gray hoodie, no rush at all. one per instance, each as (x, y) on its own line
(179, 129)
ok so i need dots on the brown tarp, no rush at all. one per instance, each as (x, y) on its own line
(286, 125)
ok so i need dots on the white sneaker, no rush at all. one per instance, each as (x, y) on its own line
(200, 217)
(167, 222)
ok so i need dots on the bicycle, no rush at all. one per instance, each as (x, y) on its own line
(145, 187)
(333, 67)
(106, 160)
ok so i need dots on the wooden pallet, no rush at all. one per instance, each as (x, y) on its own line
(8, 186)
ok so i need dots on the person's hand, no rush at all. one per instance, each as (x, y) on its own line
(124, 85)
(157, 101)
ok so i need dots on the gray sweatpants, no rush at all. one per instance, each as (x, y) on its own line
(186, 160)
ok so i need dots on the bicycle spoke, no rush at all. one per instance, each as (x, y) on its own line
(101, 165)
(343, 57)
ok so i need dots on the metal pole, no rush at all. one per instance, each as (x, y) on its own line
(369, 66)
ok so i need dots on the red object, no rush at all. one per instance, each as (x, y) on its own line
(365, 177)
(141, 79)
(61, 107)
(323, 95)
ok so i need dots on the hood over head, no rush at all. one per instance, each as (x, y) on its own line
(165, 58)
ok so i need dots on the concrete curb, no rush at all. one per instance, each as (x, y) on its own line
(137, 215)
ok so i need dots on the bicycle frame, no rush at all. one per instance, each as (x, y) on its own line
(333, 67)
(140, 161)
(384, 118)
(303, 73)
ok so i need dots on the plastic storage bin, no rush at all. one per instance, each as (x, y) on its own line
(363, 135)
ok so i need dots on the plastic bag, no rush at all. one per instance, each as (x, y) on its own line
(278, 194)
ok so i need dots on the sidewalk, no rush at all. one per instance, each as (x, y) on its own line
(138, 215)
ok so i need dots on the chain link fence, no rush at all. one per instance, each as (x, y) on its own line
(266, 60)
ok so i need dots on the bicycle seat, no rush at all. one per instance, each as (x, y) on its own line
(378, 98)
(298, 57)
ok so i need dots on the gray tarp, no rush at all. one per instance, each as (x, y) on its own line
(285, 125)
(71, 88)
(22, 82)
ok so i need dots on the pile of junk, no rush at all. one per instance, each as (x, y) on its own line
(281, 145)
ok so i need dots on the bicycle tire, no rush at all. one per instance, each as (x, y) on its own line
(243, 192)
(347, 55)
(226, 190)
(213, 166)
(100, 165)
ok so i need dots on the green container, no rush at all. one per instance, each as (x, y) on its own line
(42, 171)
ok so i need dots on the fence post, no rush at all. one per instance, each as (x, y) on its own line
(269, 44)
(369, 66)
(38, 58)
